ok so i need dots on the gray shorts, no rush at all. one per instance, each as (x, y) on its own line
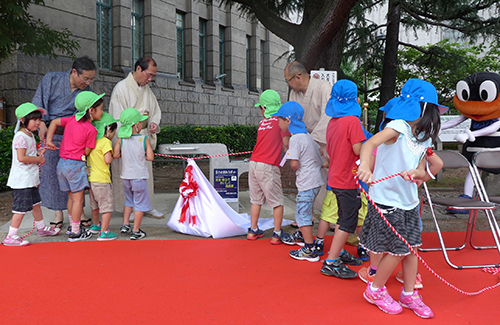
(101, 197)
(264, 182)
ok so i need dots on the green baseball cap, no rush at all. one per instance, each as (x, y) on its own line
(271, 100)
(84, 101)
(26, 108)
(128, 118)
(106, 120)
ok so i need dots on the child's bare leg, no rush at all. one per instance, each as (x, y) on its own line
(254, 215)
(126, 214)
(95, 216)
(106, 218)
(278, 217)
(37, 213)
(338, 243)
(385, 268)
(76, 205)
(17, 218)
(322, 228)
(410, 265)
(307, 234)
(138, 218)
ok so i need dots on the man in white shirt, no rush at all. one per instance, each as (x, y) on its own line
(134, 91)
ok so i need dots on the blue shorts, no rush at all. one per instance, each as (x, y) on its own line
(137, 194)
(304, 208)
(72, 175)
(25, 199)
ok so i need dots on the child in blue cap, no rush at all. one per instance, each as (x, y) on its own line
(401, 148)
(344, 137)
(305, 158)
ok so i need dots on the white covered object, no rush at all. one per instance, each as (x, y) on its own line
(205, 212)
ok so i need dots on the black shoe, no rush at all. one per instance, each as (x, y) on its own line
(349, 259)
(136, 235)
(319, 247)
(338, 269)
(82, 235)
(363, 254)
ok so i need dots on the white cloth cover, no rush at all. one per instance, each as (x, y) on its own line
(213, 217)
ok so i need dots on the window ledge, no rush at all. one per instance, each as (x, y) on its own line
(187, 83)
(229, 89)
(207, 86)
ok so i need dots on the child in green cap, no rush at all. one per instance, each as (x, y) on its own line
(78, 140)
(264, 176)
(134, 149)
(24, 177)
(101, 192)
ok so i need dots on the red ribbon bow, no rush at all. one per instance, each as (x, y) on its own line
(188, 189)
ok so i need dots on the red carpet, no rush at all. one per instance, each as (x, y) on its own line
(221, 281)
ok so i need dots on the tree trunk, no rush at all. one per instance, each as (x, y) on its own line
(390, 64)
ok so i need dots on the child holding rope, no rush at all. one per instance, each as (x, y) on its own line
(401, 146)
(24, 175)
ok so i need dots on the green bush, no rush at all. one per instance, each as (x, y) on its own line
(237, 138)
(6, 136)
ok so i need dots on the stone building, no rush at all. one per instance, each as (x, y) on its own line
(212, 62)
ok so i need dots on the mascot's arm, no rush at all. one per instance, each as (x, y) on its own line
(472, 135)
(453, 122)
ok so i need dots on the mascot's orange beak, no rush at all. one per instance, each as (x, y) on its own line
(478, 110)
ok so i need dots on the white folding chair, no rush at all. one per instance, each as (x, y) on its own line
(454, 160)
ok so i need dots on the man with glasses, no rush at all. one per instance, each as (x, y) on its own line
(134, 91)
(56, 93)
(313, 95)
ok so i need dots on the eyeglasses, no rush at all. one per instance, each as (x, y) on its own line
(149, 74)
(288, 80)
(86, 80)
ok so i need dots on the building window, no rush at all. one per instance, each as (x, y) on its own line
(179, 23)
(222, 54)
(203, 49)
(260, 81)
(103, 19)
(248, 61)
(137, 30)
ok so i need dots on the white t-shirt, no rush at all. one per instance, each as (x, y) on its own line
(23, 175)
(303, 148)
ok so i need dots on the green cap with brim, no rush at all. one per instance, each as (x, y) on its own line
(271, 100)
(84, 101)
(128, 118)
(106, 120)
(26, 108)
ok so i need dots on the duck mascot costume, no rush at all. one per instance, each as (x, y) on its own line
(477, 98)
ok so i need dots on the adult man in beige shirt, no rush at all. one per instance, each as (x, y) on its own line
(313, 94)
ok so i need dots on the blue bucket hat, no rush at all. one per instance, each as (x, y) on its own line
(294, 112)
(343, 100)
(407, 106)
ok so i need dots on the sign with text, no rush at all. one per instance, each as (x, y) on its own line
(330, 76)
(448, 135)
(226, 183)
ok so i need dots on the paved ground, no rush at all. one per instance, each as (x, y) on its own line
(157, 229)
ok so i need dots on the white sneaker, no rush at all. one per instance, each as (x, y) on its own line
(153, 213)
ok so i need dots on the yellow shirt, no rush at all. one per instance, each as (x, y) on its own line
(98, 169)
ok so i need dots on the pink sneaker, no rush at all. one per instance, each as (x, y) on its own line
(365, 276)
(15, 241)
(48, 231)
(382, 300)
(418, 281)
(415, 303)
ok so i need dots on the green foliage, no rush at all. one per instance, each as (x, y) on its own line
(237, 138)
(20, 31)
(6, 136)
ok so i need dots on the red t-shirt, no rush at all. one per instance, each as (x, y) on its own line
(341, 134)
(269, 146)
(77, 135)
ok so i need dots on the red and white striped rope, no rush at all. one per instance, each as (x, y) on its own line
(412, 250)
(204, 157)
